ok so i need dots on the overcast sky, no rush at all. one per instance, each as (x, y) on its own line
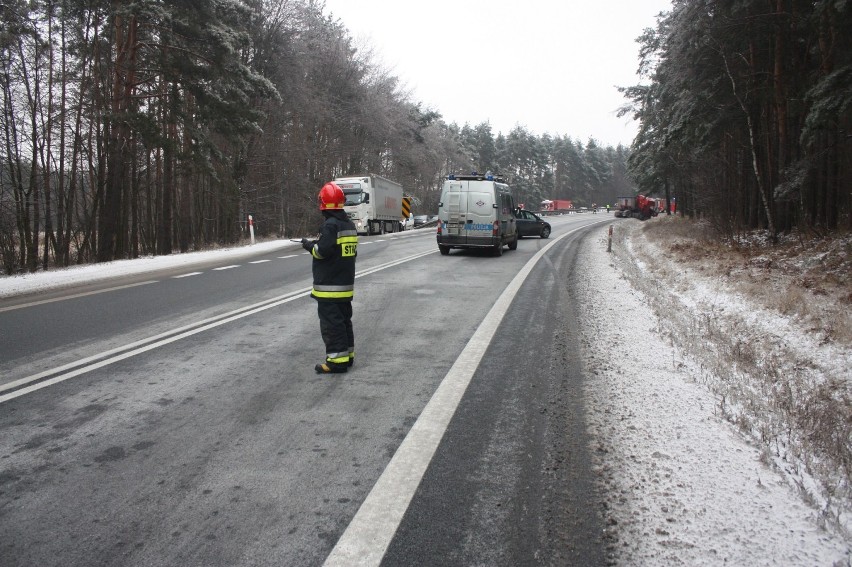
(551, 66)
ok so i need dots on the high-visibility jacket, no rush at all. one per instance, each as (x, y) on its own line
(334, 258)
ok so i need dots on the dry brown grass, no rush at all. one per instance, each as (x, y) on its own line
(769, 328)
(810, 279)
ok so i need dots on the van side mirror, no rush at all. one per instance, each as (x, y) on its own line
(366, 197)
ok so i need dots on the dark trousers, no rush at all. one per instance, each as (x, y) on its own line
(336, 329)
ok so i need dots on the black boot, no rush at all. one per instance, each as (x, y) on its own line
(330, 368)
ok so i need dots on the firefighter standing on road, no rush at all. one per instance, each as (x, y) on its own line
(334, 280)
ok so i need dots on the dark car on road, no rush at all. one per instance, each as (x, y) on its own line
(530, 224)
(420, 220)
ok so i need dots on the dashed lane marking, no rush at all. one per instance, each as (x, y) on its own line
(76, 295)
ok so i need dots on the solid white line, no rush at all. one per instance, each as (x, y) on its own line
(190, 274)
(369, 271)
(368, 535)
(89, 361)
(120, 353)
(148, 347)
(231, 267)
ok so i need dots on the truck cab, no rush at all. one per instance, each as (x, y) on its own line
(357, 205)
(373, 203)
(476, 211)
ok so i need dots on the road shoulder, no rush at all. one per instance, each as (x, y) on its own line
(684, 487)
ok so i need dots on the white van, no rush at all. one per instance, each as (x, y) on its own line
(476, 211)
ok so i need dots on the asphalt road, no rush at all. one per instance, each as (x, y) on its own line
(175, 419)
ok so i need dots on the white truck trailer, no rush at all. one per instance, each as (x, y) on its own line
(373, 203)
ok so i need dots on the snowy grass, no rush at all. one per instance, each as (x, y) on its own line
(770, 329)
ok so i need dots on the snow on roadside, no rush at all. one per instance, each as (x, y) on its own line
(778, 377)
(684, 487)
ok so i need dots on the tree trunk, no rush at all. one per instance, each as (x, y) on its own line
(61, 243)
(113, 217)
(755, 161)
(164, 233)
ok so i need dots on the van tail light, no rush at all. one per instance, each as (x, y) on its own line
(439, 227)
(495, 230)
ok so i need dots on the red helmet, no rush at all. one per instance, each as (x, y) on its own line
(331, 197)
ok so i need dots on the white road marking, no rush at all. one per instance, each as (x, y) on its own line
(66, 371)
(368, 535)
(259, 261)
(290, 256)
(64, 297)
(120, 353)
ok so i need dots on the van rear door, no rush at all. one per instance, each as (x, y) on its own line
(469, 205)
(479, 219)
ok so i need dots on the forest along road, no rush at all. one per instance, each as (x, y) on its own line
(175, 418)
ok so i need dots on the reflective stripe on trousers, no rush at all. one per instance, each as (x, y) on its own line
(333, 291)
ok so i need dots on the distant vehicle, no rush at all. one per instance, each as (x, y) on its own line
(373, 203)
(638, 207)
(420, 220)
(476, 212)
(556, 206)
(432, 218)
(530, 224)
